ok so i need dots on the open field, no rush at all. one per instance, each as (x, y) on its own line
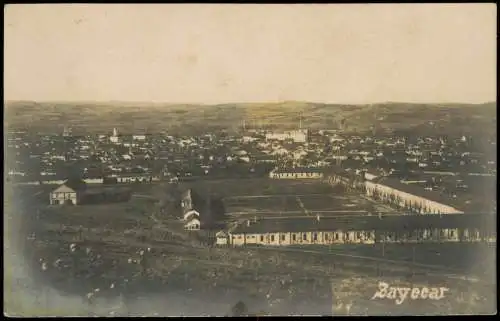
(477, 259)
(269, 198)
(227, 188)
(179, 274)
(303, 205)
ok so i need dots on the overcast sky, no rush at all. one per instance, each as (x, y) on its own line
(251, 53)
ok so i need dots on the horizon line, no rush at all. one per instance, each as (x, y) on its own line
(240, 103)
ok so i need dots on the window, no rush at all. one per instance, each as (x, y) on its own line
(452, 234)
(294, 237)
(262, 238)
(441, 233)
(358, 235)
(304, 237)
(272, 238)
(336, 236)
(326, 237)
(283, 237)
(315, 236)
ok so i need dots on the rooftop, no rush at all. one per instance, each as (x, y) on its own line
(299, 170)
(387, 222)
(419, 191)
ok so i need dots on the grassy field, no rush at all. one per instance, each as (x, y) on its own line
(475, 258)
(227, 188)
(287, 198)
(178, 274)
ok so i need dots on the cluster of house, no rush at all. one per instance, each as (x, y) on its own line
(401, 194)
(363, 230)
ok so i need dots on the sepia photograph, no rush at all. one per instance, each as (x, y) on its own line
(250, 160)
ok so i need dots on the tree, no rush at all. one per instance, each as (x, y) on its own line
(239, 309)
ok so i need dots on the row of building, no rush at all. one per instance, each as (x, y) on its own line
(401, 194)
(363, 230)
(384, 188)
(296, 173)
(124, 178)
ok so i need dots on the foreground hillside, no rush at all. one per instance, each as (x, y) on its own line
(127, 117)
(176, 275)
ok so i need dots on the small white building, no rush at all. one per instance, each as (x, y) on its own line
(193, 224)
(70, 192)
(139, 137)
(222, 238)
(190, 204)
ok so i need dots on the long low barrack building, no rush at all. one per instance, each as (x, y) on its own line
(366, 230)
(389, 189)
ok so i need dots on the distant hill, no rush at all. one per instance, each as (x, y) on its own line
(155, 117)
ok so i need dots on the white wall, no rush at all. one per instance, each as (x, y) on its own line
(358, 237)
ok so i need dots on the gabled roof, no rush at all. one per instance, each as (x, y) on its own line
(394, 183)
(63, 189)
(221, 234)
(363, 223)
(191, 213)
(299, 170)
(193, 220)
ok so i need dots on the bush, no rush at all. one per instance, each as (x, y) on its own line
(239, 309)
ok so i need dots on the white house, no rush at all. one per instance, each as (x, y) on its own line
(193, 224)
(222, 238)
(70, 192)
